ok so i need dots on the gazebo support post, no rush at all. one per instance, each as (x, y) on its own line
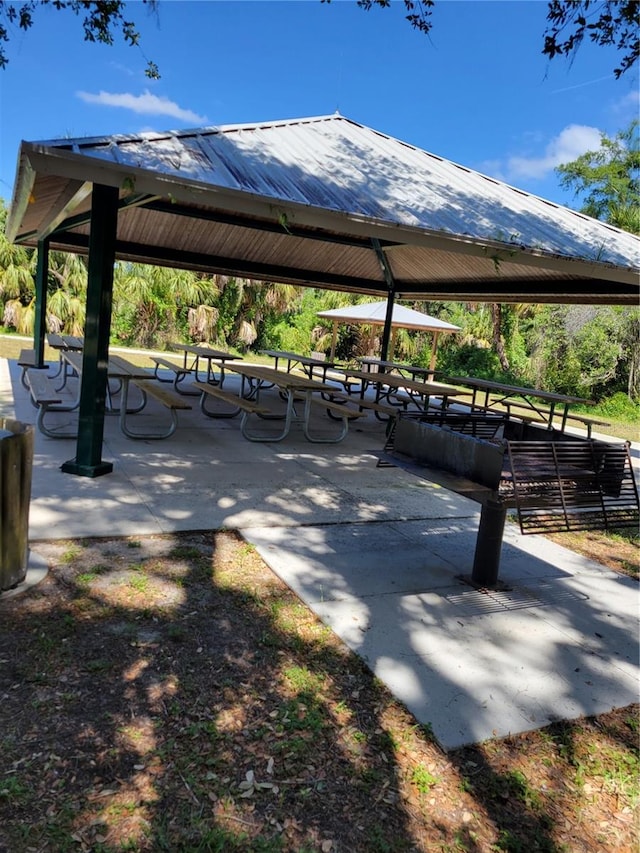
(391, 293)
(102, 246)
(334, 339)
(434, 349)
(39, 325)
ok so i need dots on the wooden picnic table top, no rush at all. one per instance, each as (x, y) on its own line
(205, 352)
(61, 342)
(117, 366)
(395, 381)
(396, 365)
(282, 378)
(307, 360)
(515, 390)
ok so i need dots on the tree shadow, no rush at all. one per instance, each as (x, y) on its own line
(174, 697)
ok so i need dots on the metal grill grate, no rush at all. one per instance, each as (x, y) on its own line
(572, 485)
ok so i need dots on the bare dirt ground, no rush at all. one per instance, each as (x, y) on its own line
(171, 694)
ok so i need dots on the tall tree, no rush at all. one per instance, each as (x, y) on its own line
(608, 180)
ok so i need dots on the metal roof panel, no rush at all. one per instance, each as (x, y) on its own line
(334, 163)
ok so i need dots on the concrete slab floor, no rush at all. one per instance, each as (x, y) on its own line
(378, 555)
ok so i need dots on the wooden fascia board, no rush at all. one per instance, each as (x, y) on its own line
(521, 298)
(560, 291)
(502, 257)
(21, 199)
(581, 291)
(224, 218)
(82, 167)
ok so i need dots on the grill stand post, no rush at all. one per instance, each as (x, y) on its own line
(486, 561)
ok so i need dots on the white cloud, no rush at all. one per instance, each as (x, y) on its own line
(628, 105)
(145, 104)
(570, 143)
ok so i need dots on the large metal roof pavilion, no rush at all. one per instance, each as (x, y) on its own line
(324, 202)
(305, 200)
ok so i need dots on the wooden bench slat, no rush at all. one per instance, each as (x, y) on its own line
(240, 403)
(47, 398)
(340, 409)
(170, 365)
(152, 388)
(43, 390)
(163, 395)
(180, 371)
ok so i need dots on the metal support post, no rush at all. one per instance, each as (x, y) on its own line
(39, 325)
(102, 241)
(486, 562)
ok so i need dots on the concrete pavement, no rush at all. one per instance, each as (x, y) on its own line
(377, 554)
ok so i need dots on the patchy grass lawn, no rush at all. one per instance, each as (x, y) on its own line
(172, 694)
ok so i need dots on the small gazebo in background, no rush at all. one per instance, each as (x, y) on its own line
(374, 313)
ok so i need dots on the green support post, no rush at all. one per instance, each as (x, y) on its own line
(391, 295)
(93, 387)
(39, 326)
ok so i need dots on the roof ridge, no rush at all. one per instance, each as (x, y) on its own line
(203, 130)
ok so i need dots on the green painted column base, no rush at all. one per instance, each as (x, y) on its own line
(72, 467)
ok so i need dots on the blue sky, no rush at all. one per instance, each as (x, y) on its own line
(476, 91)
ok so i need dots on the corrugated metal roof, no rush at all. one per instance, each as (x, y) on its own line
(445, 227)
(334, 163)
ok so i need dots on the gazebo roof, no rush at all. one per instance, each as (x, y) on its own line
(374, 313)
(325, 202)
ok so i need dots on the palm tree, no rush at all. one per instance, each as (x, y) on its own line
(152, 304)
(67, 293)
(17, 289)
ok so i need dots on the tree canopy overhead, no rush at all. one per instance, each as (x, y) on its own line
(613, 23)
(102, 19)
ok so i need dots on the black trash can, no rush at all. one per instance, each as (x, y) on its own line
(16, 462)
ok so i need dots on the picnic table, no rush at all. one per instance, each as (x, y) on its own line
(295, 389)
(61, 343)
(489, 395)
(368, 363)
(398, 391)
(310, 364)
(126, 373)
(119, 369)
(213, 357)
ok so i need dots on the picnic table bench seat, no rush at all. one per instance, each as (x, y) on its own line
(543, 414)
(339, 409)
(180, 371)
(47, 398)
(172, 401)
(336, 410)
(238, 403)
(364, 403)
